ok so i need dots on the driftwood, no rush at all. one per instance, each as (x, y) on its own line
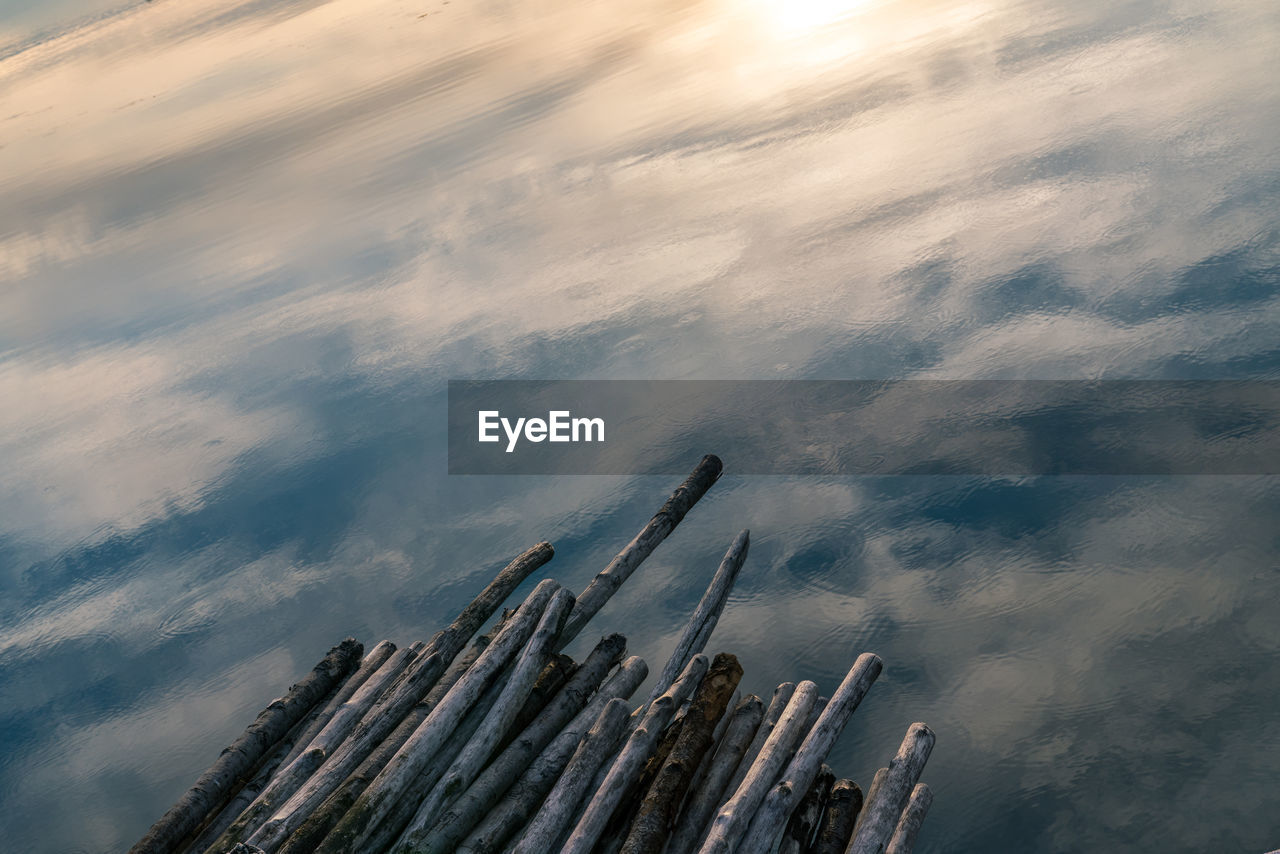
(904, 835)
(544, 831)
(838, 816)
(784, 797)
(707, 795)
(215, 786)
(653, 823)
(885, 802)
(312, 832)
(803, 825)
(388, 713)
(609, 579)
(291, 777)
(731, 822)
(705, 616)
(615, 831)
(503, 797)
(484, 744)
(418, 751)
(554, 676)
(630, 760)
(777, 705)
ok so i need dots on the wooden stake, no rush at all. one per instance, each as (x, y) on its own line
(777, 705)
(609, 579)
(216, 785)
(803, 825)
(886, 801)
(838, 817)
(730, 823)
(904, 835)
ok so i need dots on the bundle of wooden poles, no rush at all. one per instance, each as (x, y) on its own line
(495, 741)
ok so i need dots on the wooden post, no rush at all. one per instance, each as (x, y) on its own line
(544, 831)
(904, 835)
(631, 759)
(838, 817)
(705, 616)
(731, 822)
(215, 786)
(784, 797)
(609, 579)
(802, 828)
(557, 673)
(886, 802)
(653, 823)
(707, 796)
(777, 705)
(421, 747)
(388, 713)
(506, 793)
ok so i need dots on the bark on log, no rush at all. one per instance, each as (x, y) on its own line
(609, 579)
(777, 705)
(421, 748)
(904, 835)
(802, 828)
(387, 713)
(507, 792)
(615, 832)
(311, 833)
(653, 823)
(292, 777)
(730, 823)
(557, 673)
(484, 744)
(705, 616)
(885, 804)
(630, 760)
(551, 822)
(216, 785)
(707, 796)
(783, 798)
(838, 817)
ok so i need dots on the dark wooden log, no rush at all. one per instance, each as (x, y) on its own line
(312, 832)
(802, 828)
(838, 817)
(509, 790)
(886, 801)
(706, 796)
(216, 785)
(904, 835)
(615, 832)
(389, 712)
(609, 579)
(657, 814)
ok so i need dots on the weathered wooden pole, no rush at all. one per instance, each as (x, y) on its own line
(609, 579)
(904, 835)
(784, 796)
(630, 760)
(657, 814)
(502, 798)
(705, 616)
(838, 816)
(777, 705)
(706, 796)
(885, 802)
(216, 785)
(551, 822)
(731, 822)
(802, 828)
(387, 713)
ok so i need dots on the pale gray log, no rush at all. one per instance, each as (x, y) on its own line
(707, 795)
(545, 830)
(904, 835)
(421, 747)
(784, 796)
(705, 616)
(777, 705)
(886, 802)
(216, 785)
(388, 712)
(609, 579)
(511, 811)
(732, 820)
(631, 758)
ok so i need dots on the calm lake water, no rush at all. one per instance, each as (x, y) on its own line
(244, 245)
